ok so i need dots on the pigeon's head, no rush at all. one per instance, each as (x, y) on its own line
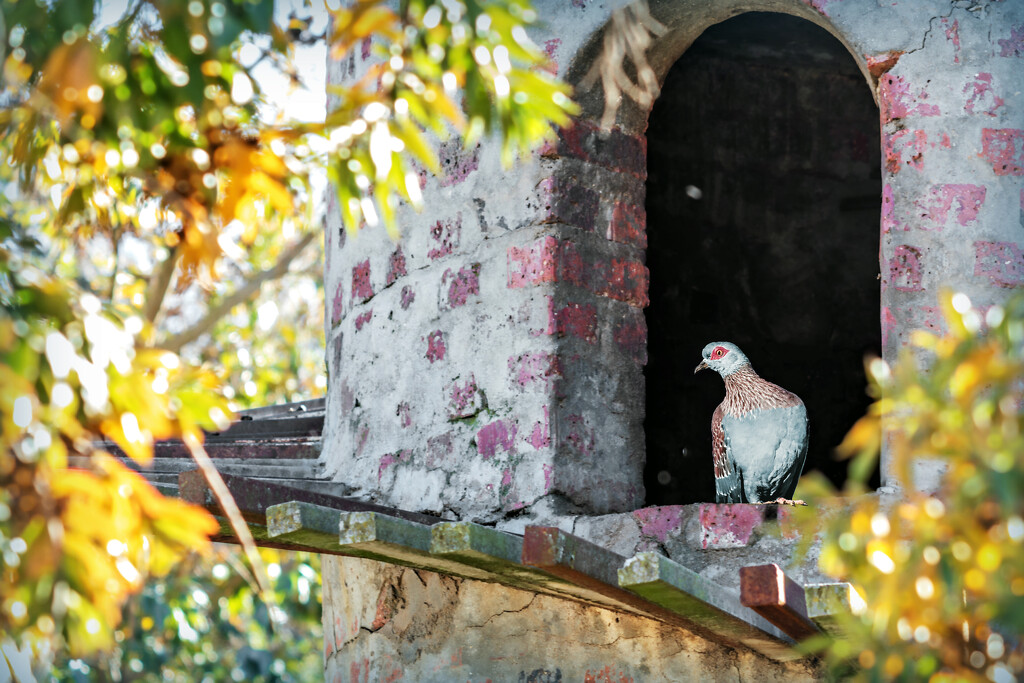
(724, 358)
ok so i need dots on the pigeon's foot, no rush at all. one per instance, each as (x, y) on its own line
(787, 501)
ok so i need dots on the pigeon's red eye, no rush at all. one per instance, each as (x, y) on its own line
(719, 352)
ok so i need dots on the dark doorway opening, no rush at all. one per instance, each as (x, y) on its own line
(763, 200)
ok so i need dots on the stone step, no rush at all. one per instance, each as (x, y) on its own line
(544, 559)
(266, 468)
(666, 583)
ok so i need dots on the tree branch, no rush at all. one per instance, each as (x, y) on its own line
(156, 290)
(249, 288)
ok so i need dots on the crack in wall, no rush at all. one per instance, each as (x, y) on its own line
(973, 6)
(507, 611)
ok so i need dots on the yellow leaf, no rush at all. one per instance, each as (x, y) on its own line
(864, 436)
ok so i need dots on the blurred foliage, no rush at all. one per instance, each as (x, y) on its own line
(147, 201)
(204, 622)
(76, 542)
(942, 573)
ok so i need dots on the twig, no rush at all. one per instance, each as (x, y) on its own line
(240, 295)
(629, 36)
(234, 515)
(158, 284)
(115, 243)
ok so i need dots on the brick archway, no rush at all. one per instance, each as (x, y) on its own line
(830, 376)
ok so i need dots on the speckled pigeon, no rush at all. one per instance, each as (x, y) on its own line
(758, 433)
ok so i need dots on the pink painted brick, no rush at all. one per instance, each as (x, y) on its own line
(494, 436)
(363, 318)
(905, 269)
(396, 266)
(534, 370)
(820, 5)
(361, 288)
(390, 459)
(461, 284)
(1014, 45)
(507, 494)
(457, 162)
(464, 398)
(533, 264)
(408, 296)
(1003, 148)
(900, 319)
(439, 450)
(910, 142)
(897, 101)
(540, 436)
(889, 222)
(337, 305)
(435, 346)
(444, 237)
(549, 476)
(404, 414)
(981, 98)
(965, 201)
(550, 51)
(660, 522)
(1000, 262)
(728, 525)
(548, 260)
(952, 30)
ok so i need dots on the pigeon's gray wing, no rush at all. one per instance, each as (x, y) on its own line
(728, 487)
(791, 453)
(768, 448)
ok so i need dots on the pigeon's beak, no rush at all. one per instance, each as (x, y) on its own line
(703, 366)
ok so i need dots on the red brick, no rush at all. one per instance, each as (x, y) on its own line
(548, 260)
(631, 338)
(628, 224)
(614, 149)
(576, 320)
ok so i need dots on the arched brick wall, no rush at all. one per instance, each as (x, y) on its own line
(490, 365)
(950, 131)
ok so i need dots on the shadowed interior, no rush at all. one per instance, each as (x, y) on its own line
(763, 200)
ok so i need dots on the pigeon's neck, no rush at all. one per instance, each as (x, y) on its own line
(746, 391)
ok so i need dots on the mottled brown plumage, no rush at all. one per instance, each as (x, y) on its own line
(758, 432)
